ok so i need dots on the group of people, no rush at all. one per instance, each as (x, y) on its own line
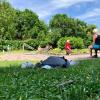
(95, 44)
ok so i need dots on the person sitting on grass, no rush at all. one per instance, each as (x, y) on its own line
(68, 47)
(96, 43)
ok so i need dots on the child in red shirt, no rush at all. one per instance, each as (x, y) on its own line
(68, 47)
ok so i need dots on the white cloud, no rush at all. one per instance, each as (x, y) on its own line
(94, 13)
(44, 13)
(49, 8)
(67, 3)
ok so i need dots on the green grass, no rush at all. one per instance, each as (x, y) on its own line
(42, 84)
(17, 51)
(12, 63)
(55, 51)
(58, 51)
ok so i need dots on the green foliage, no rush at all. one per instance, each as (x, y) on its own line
(41, 84)
(13, 45)
(33, 43)
(88, 40)
(80, 51)
(90, 28)
(56, 51)
(71, 27)
(76, 43)
(25, 25)
(61, 43)
(15, 24)
(68, 26)
(43, 44)
(52, 37)
(7, 15)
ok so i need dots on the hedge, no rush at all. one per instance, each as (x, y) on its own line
(76, 43)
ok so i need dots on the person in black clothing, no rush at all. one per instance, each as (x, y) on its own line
(96, 43)
(54, 62)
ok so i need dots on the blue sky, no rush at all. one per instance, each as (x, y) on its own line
(86, 10)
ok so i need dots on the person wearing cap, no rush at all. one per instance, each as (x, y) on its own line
(96, 43)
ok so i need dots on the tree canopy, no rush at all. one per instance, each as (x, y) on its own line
(70, 26)
(15, 24)
(24, 25)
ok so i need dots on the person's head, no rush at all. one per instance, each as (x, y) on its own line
(68, 41)
(95, 31)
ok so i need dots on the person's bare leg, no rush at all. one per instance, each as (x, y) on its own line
(68, 52)
(90, 50)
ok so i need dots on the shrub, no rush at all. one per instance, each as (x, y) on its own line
(61, 43)
(88, 40)
(13, 44)
(16, 44)
(75, 42)
(33, 43)
(56, 51)
(52, 37)
(1, 48)
(43, 44)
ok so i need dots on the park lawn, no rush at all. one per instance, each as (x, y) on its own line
(42, 84)
(17, 51)
(14, 63)
(10, 63)
(56, 51)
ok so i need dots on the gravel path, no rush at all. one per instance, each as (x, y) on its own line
(37, 57)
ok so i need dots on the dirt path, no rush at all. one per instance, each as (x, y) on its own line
(37, 57)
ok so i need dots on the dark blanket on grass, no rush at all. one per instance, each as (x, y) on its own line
(55, 61)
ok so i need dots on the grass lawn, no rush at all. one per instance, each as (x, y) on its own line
(58, 51)
(42, 84)
(53, 51)
(17, 51)
(12, 63)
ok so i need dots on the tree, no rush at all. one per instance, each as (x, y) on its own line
(7, 15)
(68, 26)
(25, 21)
(53, 37)
(16, 24)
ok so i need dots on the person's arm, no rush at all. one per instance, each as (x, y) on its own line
(94, 38)
(68, 48)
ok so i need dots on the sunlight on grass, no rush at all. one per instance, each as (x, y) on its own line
(12, 63)
(42, 84)
(17, 51)
(53, 51)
